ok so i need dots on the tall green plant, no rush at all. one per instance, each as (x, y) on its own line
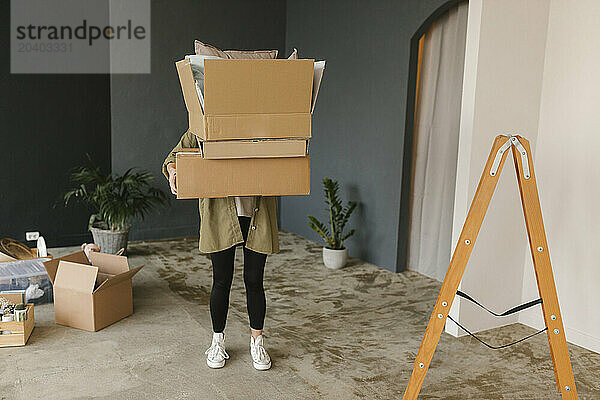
(338, 217)
(115, 199)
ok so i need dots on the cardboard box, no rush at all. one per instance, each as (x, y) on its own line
(251, 99)
(257, 148)
(201, 178)
(91, 296)
(19, 331)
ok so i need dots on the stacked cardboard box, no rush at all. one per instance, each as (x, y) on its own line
(253, 124)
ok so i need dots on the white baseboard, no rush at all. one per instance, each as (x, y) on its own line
(583, 339)
(573, 335)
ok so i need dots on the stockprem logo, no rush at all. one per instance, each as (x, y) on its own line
(85, 31)
(80, 36)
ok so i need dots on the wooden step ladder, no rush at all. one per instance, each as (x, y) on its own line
(521, 152)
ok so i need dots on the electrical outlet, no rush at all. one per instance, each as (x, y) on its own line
(32, 235)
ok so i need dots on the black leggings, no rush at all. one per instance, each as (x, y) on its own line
(254, 267)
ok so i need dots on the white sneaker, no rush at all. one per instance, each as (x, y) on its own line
(260, 357)
(216, 354)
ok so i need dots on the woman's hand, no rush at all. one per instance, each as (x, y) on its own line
(172, 178)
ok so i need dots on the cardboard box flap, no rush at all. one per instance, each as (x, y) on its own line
(76, 277)
(317, 78)
(248, 86)
(115, 280)
(52, 265)
(109, 263)
(190, 96)
(188, 86)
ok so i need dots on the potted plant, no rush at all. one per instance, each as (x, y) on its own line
(115, 201)
(334, 252)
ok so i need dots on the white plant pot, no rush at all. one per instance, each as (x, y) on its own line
(334, 259)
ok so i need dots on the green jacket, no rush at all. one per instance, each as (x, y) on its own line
(219, 225)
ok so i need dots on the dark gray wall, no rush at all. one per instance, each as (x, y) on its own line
(359, 122)
(48, 123)
(148, 112)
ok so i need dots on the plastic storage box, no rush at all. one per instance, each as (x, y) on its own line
(19, 275)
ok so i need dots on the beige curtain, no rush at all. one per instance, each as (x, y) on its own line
(435, 145)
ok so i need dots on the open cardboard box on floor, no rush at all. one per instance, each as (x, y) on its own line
(19, 330)
(91, 295)
(201, 178)
(251, 99)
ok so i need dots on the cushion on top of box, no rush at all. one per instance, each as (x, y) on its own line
(208, 50)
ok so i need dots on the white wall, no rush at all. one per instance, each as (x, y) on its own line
(533, 67)
(502, 88)
(566, 159)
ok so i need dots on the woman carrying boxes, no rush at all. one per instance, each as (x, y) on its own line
(250, 118)
(225, 223)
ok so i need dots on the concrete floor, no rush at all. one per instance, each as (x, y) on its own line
(348, 334)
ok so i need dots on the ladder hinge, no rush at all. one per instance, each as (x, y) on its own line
(512, 140)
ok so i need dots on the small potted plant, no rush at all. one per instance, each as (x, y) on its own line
(334, 252)
(115, 201)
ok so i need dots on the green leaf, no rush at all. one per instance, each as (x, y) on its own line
(320, 228)
(348, 234)
(115, 199)
(338, 216)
